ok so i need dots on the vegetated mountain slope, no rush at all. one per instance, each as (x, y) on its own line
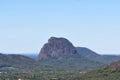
(69, 63)
(91, 55)
(60, 54)
(111, 72)
(17, 61)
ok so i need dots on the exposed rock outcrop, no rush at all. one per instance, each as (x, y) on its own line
(56, 47)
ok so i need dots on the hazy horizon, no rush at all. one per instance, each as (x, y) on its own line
(26, 25)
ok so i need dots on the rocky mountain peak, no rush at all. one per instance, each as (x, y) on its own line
(56, 47)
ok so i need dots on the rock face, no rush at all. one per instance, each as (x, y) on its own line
(57, 47)
(115, 66)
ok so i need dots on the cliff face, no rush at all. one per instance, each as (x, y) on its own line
(56, 47)
(115, 66)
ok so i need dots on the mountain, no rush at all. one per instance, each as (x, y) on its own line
(60, 54)
(91, 55)
(57, 47)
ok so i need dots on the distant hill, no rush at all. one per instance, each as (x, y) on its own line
(87, 52)
(17, 62)
(31, 55)
(91, 55)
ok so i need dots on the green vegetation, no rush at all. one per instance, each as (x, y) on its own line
(63, 68)
(101, 74)
(61, 76)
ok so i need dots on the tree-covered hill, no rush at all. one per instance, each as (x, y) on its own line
(111, 72)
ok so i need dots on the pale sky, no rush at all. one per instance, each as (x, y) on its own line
(25, 25)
